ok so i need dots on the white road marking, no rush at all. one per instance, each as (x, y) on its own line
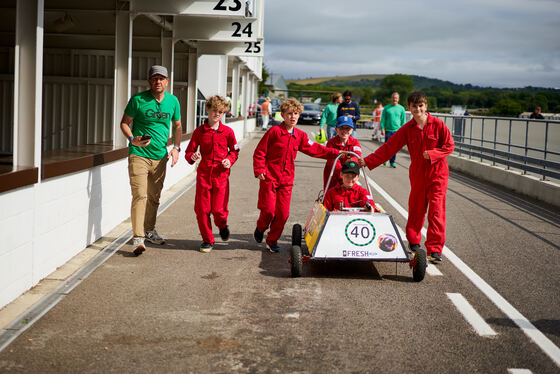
(471, 315)
(519, 371)
(433, 270)
(292, 315)
(545, 344)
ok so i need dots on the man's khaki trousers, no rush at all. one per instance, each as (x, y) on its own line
(146, 181)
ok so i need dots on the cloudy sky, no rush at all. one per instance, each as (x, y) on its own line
(499, 43)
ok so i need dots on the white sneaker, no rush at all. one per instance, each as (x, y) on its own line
(153, 237)
(139, 246)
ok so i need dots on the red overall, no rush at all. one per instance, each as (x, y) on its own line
(352, 145)
(212, 179)
(428, 178)
(353, 197)
(274, 157)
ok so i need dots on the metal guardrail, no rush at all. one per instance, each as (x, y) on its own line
(527, 145)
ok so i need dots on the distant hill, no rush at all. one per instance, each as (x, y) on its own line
(420, 83)
(374, 80)
(353, 80)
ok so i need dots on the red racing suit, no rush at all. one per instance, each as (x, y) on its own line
(274, 157)
(212, 179)
(428, 178)
(353, 197)
(352, 145)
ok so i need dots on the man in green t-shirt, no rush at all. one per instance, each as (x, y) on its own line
(329, 115)
(151, 113)
(392, 118)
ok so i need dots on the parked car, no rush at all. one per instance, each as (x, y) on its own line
(275, 104)
(275, 118)
(311, 114)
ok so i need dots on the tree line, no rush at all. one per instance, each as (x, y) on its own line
(442, 95)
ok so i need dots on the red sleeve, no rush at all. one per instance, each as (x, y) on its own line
(446, 148)
(259, 155)
(327, 201)
(192, 147)
(365, 196)
(357, 150)
(387, 150)
(315, 149)
(233, 147)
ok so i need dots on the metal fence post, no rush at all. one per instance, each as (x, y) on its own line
(482, 139)
(495, 138)
(526, 144)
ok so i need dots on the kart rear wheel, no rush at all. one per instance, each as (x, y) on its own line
(420, 263)
(296, 235)
(296, 262)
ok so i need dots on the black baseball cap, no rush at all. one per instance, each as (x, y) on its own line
(351, 167)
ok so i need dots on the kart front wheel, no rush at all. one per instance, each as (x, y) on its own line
(296, 261)
(420, 263)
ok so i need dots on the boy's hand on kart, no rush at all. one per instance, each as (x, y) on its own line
(226, 163)
(362, 162)
(195, 156)
(261, 176)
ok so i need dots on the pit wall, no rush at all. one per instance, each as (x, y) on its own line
(46, 224)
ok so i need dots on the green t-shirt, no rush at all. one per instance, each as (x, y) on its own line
(329, 115)
(152, 118)
(393, 117)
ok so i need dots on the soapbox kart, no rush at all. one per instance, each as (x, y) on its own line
(351, 234)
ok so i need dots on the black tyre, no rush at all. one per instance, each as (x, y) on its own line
(296, 263)
(420, 263)
(296, 235)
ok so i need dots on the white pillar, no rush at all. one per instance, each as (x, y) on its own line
(168, 57)
(244, 93)
(212, 75)
(28, 84)
(236, 70)
(192, 91)
(254, 89)
(123, 66)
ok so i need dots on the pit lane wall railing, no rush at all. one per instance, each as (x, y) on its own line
(531, 147)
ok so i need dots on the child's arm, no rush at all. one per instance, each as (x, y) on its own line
(327, 201)
(357, 149)
(368, 201)
(316, 150)
(233, 151)
(259, 157)
(446, 148)
(386, 151)
(191, 155)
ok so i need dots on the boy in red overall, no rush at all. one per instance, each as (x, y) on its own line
(273, 165)
(429, 142)
(218, 152)
(348, 193)
(344, 142)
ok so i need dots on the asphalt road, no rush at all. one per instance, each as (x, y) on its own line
(237, 310)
